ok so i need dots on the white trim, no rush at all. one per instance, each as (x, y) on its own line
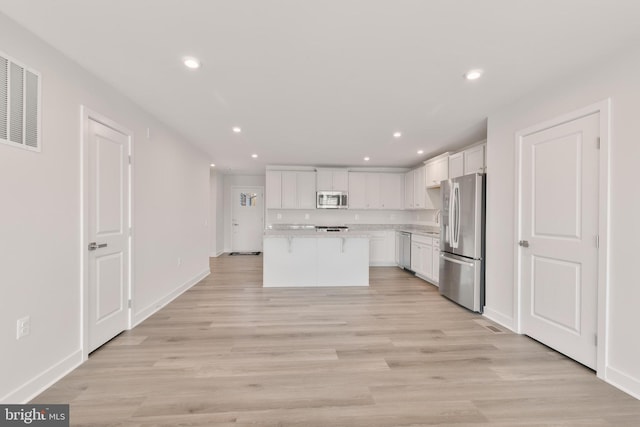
(624, 382)
(603, 108)
(216, 254)
(154, 307)
(86, 114)
(264, 211)
(44, 380)
(499, 318)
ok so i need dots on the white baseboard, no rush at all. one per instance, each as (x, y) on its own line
(624, 382)
(499, 318)
(146, 312)
(216, 254)
(44, 380)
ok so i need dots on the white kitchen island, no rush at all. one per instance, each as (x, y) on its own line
(307, 258)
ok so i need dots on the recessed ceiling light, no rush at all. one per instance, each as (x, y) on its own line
(236, 129)
(255, 156)
(397, 134)
(473, 74)
(213, 165)
(366, 159)
(420, 151)
(191, 62)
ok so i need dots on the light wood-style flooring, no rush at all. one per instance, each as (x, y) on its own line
(230, 353)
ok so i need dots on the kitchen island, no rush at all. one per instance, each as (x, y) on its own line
(307, 258)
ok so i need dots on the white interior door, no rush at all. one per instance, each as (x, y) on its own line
(247, 218)
(559, 227)
(108, 221)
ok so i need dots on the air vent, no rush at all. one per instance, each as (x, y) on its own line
(19, 105)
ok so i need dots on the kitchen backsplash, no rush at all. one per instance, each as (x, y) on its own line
(338, 217)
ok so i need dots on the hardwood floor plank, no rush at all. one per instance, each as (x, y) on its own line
(231, 353)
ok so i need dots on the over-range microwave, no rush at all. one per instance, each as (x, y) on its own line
(331, 200)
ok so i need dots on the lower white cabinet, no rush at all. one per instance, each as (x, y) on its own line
(424, 261)
(382, 248)
(436, 262)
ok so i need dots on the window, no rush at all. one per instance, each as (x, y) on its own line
(248, 199)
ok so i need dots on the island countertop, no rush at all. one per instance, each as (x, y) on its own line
(316, 234)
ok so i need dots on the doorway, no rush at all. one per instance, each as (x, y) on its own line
(247, 219)
(106, 229)
(561, 216)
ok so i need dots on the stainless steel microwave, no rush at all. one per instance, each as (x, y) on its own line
(331, 200)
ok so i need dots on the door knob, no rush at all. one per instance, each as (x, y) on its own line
(93, 246)
(524, 243)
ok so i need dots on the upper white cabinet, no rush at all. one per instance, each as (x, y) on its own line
(474, 159)
(274, 189)
(291, 189)
(437, 170)
(409, 181)
(419, 188)
(471, 160)
(373, 190)
(332, 180)
(456, 165)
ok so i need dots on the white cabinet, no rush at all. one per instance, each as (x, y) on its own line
(471, 160)
(391, 190)
(419, 188)
(424, 261)
(382, 248)
(408, 190)
(437, 170)
(456, 165)
(436, 262)
(274, 189)
(332, 180)
(371, 190)
(474, 159)
(297, 190)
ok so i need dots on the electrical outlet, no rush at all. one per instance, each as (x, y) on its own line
(306, 216)
(357, 217)
(23, 327)
(279, 216)
(148, 133)
(179, 261)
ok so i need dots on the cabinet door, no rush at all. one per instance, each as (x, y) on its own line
(357, 190)
(397, 247)
(274, 189)
(437, 171)
(376, 248)
(324, 181)
(416, 257)
(289, 190)
(436, 261)
(456, 165)
(391, 190)
(340, 181)
(419, 188)
(306, 190)
(408, 190)
(474, 160)
(373, 191)
(427, 259)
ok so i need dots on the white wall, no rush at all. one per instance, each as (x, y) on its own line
(40, 218)
(217, 213)
(231, 181)
(615, 78)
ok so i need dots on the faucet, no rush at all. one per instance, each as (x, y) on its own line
(438, 216)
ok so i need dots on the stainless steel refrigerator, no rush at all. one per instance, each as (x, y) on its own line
(462, 240)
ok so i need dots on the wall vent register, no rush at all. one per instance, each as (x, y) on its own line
(19, 104)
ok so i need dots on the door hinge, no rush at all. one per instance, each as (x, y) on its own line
(130, 232)
(598, 143)
(129, 159)
(597, 242)
(130, 304)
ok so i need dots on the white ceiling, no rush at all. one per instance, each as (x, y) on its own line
(327, 82)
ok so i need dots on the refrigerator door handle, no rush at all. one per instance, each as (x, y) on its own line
(469, 264)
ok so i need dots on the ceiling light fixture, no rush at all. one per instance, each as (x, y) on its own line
(191, 62)
(366, 159)
(397, 134)
(420, 151)
(255, 156)
(236, 129)
(213, 165)
(473, 74)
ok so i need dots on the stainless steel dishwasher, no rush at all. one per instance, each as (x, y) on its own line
(405, 249)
